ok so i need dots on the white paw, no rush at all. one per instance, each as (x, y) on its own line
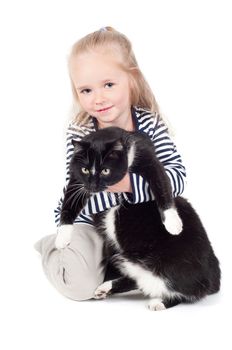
(64, 236)
(172, 221)
(156, 305)
(103, 290)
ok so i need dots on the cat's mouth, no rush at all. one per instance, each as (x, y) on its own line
(93, 191)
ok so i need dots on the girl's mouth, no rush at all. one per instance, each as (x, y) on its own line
(104, 109)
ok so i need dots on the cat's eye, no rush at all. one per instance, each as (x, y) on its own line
(85, 171)
(105, 171)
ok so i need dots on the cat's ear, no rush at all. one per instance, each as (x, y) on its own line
(80, 145)
(114, 148)
(117, 146)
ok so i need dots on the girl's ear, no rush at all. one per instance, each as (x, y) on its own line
(80, 145)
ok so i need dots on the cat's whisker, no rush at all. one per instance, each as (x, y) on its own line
(73, 196)
(73, 191)
(83, 197)
(75, 202)
(76, 199)
(76, 190)
(74, 186)
(80, 197)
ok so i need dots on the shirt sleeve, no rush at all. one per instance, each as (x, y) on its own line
(168, 155)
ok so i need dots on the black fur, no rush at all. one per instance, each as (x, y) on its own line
(185, 261)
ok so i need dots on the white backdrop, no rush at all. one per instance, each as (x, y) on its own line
(184, 50)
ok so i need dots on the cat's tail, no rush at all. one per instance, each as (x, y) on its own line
(172, 302)
(215, 275)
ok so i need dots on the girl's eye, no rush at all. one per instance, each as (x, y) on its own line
(85, 91)
(109, 85)
(105, 171)
(85, 171)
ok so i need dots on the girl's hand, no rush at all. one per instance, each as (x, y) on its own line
(122, 186)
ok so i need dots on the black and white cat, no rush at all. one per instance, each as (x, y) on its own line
(160, 246)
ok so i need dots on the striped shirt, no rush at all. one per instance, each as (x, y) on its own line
(165, 150)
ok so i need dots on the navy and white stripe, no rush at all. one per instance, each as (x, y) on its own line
(166, 152)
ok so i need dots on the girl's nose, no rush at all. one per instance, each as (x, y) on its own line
(99, 98)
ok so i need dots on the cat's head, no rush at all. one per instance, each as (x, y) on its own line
(99, 160)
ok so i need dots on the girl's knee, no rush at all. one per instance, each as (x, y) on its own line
(77, 285)
(71, 274)
(78, 290)
(74, 274)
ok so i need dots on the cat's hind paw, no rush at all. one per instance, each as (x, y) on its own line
(103, 290)
(172, 221)
(156, 305)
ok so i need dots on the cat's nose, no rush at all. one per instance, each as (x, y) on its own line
(93, 188)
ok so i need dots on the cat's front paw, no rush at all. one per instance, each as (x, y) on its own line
(103, 290)
(64, 236)
(172, 221)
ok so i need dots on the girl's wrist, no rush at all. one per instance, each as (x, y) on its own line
(122, 186)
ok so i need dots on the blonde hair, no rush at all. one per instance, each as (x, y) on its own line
(108, 38)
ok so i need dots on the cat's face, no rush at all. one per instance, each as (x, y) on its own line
(98, 165)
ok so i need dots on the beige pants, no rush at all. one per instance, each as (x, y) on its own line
(75, 271)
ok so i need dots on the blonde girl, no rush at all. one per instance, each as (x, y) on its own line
(109, 89)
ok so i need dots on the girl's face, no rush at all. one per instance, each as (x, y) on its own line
(102, 88)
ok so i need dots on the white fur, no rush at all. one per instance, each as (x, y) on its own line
(148, 283)
(109, 223)
(131, 155)
(64, 236)
(172, 221)
(93, 170)
(103, 290)
(156, 304)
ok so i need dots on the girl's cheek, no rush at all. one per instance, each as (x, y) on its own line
(83, 101)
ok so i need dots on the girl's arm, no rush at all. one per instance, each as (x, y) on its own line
(168, 155)
(122, 186)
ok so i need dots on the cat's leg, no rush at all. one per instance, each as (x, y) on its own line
(74, 201)
(119, 285)
(172, 221)
(161, 187)
(154, 172)
(156, 304)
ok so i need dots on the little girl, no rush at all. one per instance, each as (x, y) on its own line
(110, 90)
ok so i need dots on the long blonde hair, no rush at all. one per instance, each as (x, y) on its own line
(108, 38)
